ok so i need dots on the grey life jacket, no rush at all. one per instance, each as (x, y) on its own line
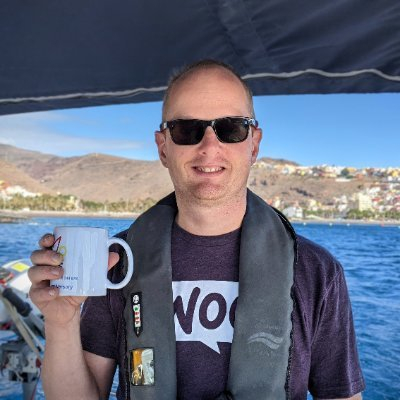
(259, 366)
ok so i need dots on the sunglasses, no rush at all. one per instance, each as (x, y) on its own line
(227, 129)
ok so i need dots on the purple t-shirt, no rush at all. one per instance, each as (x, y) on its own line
(205, 274)
(205, 286)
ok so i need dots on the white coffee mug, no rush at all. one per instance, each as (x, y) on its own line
(85, 262)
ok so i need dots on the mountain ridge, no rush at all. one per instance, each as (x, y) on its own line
(102, 177)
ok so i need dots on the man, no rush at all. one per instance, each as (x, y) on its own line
(233, 305)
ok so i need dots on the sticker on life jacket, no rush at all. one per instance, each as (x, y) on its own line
(137, 312)
(142, 367)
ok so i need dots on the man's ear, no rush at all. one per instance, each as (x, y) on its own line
(161, 139)
(255, 140)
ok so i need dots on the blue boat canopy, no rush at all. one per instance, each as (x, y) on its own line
(69, 53)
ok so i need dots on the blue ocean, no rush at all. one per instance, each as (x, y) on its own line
(370, 255)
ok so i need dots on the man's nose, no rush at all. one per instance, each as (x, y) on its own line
(210, 139)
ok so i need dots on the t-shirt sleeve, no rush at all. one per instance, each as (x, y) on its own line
(335, 369)
(98, 333)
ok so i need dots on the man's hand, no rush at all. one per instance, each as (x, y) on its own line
(56, 309)
(83, 376)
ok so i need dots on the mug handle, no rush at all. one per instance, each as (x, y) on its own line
(129, 273)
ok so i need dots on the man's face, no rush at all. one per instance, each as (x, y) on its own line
(210, 172)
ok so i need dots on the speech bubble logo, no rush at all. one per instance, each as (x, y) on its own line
(204, 311)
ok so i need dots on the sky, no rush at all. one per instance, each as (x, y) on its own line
(359, 130)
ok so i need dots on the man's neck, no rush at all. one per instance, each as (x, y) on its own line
(205, 220)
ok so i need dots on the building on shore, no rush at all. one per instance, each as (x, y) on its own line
(363, 202)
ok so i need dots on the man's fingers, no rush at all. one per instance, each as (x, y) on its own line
(40, 273)
(43, 294)
(46, 257)
(46, 241)
(46, 265)
(113, 258)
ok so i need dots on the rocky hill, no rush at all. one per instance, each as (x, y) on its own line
(96, 177)
(11, 174)
(100, 177)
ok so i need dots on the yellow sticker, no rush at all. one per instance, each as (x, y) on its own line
(20, 267)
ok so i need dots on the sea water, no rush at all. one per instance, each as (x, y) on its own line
(370, 256)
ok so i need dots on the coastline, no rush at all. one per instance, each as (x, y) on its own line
(348, 222)
(19, 215)
(24, 214)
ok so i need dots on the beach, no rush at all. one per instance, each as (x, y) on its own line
(26, 214)
(15, 215)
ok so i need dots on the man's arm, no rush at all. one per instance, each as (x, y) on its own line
(334, 349)
(67, 372)
(103, 370)
(70, 373)
(335, 371)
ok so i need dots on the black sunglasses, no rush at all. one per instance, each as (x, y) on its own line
(227, 129)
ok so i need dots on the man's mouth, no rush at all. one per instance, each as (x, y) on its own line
(209, 169)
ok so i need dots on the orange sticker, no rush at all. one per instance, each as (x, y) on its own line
(142, 367)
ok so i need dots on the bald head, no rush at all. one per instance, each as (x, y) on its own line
(199, 76)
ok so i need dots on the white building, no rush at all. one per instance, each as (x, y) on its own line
(13, 190)
(293, 212)
(363, 202)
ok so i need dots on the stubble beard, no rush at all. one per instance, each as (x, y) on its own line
(210, 195)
